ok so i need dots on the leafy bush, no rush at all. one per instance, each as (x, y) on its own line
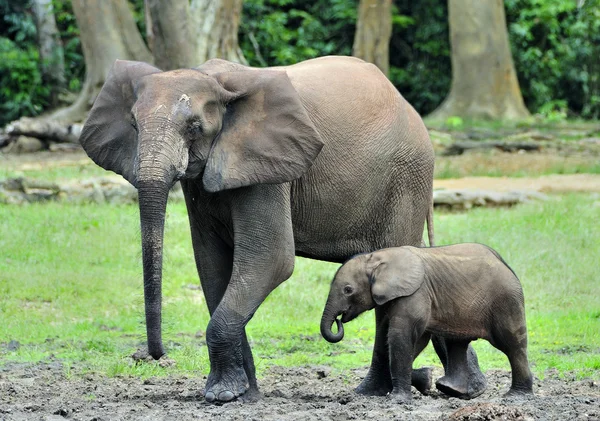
(556, 49)
(21, 90)
(282, 32)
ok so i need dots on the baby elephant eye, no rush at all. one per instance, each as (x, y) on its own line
(348, 290)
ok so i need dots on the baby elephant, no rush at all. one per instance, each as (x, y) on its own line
(460, 292)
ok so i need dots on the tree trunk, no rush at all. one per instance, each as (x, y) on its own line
(219, 22)
(50, 48)
(108, 32)
(186, 35)
(484, 82)
(373, 33)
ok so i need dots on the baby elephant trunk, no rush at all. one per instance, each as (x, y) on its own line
(329, 317)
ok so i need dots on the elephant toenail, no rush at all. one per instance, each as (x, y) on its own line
(226, 396)
(210, 397)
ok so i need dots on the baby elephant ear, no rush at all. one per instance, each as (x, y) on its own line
(267, 136)
(395, 272)
(109, 136)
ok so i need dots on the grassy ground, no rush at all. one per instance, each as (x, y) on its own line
(71, 288)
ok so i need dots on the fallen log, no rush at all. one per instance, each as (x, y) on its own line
(464, 199)
(458, 148)
(45, 129)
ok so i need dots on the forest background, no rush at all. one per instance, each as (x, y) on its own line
(555, 48)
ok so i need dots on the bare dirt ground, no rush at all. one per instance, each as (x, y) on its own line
(546, 183)
(43, 392)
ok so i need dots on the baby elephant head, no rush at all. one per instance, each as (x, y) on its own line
(369, 280)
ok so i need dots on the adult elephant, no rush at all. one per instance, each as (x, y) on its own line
(322, 159)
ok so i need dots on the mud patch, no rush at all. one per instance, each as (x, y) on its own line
(44, 392)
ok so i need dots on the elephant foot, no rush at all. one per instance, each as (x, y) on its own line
(459, 387)
(518, 393)
(372, 387)
(225, 388)
(400, 396)
(421, 379)
(251, 395)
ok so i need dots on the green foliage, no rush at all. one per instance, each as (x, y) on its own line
(420, 53)
(21, 91)
(69, 34)
(556, 48)
(282, 32)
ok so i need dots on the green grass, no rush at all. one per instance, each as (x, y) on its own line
(71, 288)
(55, 173)
(571, 129)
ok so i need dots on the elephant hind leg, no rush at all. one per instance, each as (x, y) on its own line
(463, 378)
(514, 345)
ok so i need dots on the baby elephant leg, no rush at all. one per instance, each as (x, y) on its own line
(514, 345)
(403, 350)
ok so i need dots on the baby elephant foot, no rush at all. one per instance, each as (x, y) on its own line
(227, 387)
(461, 388)
(421, 379)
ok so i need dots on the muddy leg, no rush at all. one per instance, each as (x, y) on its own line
(453, 362)
(378, 381)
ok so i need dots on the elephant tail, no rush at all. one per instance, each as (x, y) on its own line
(430, 223)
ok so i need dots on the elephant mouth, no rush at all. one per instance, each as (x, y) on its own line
(346, 317)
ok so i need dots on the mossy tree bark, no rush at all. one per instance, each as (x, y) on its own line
(181, 33)
(108, 32)
(373, 33)
(484, 81)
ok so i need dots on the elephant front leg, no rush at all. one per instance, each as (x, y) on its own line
(263, 258)
(402, 346)
(378, 381)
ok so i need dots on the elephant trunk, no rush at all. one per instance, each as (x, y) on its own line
(153, 191)
(153, 203)
(329, 317)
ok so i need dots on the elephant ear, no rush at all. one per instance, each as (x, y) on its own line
(394, 273)
(266, 137)
(109, 136)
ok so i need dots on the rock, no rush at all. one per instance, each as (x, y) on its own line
(26, 144)
(13, 345)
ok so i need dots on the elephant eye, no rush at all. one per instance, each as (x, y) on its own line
(348, 290)
(133, 123)
(195, 127)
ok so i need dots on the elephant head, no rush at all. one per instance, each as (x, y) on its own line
(224, 124)
(370, 280)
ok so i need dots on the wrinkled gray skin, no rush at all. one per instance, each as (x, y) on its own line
(322, 159)
(460, 292)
